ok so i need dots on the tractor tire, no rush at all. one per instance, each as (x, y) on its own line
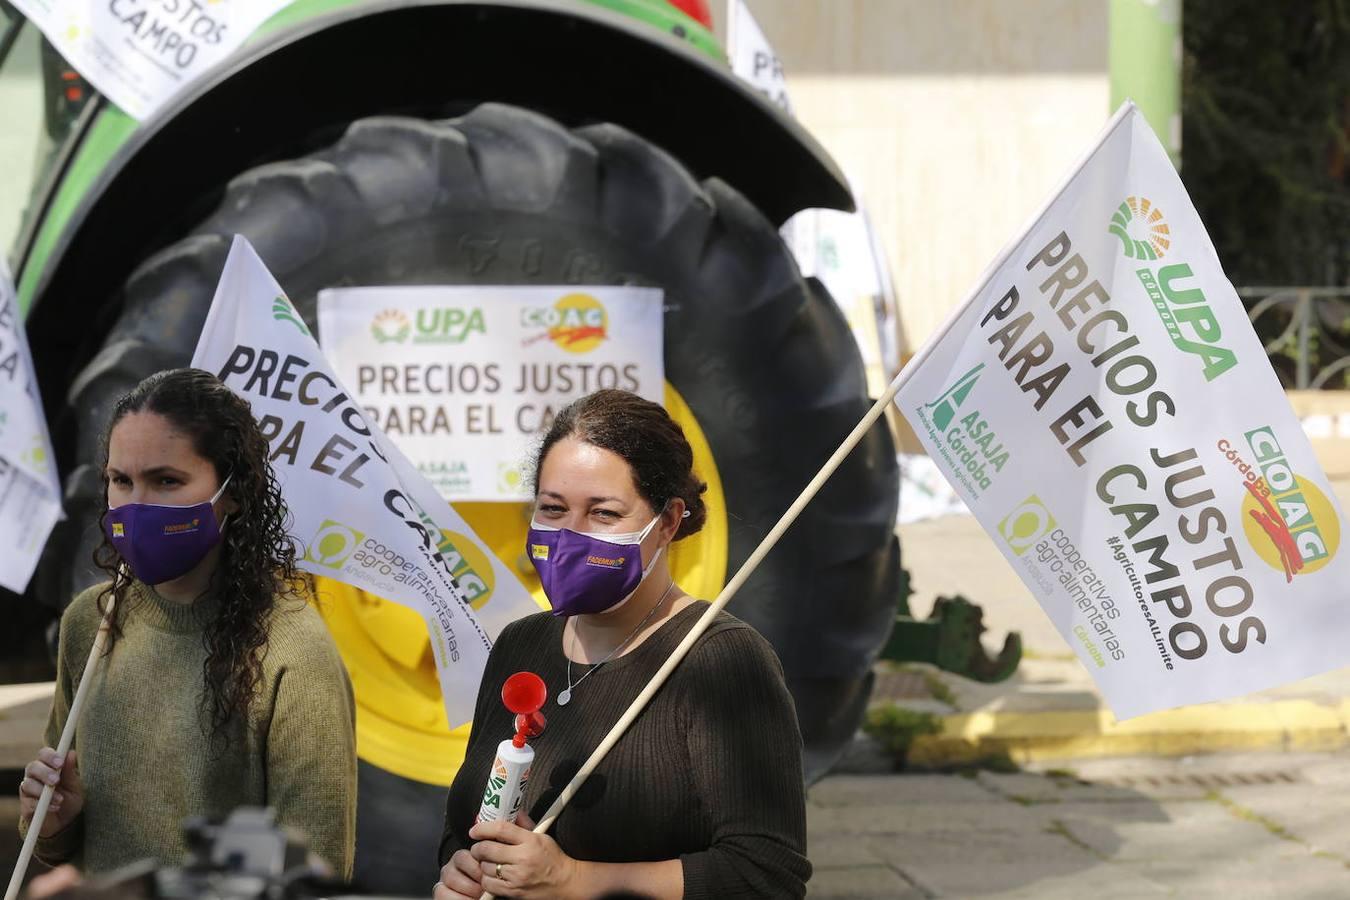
(502, 195)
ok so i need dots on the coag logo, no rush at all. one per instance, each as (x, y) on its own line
(470, 565)
(578, 323)
(1142, 231)
(945, 406)
(1026, 525)
(334, 544)
(282, 311)
(390, 325)
(1286, 518)
(119, 530)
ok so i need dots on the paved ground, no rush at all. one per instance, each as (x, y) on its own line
(1227, 826)
(1235, 825)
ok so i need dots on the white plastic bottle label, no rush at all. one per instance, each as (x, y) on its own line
(505, 791)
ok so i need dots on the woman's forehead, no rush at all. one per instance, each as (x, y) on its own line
(577, 470)
(146, 440)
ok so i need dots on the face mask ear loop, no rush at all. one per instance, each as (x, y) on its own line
(224, 484)
(220, 493)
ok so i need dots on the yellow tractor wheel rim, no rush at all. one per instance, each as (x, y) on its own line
(400, 722)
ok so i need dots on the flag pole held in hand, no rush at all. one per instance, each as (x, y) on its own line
(62, 748)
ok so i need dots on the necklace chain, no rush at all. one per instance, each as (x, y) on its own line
(566, 696)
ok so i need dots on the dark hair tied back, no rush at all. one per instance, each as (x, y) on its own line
(647, 438)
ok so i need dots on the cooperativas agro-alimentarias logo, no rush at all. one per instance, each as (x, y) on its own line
(1286, 518)
(1185, 312)
(333, 544)
(578, 323)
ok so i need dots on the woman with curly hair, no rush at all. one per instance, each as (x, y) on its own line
(220, 686)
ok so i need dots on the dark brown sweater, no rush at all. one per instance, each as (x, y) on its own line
(710, 773)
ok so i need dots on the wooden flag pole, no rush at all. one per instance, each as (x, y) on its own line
(62, 748)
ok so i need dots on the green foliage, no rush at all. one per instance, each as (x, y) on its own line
(1266, 136)
(896, 729)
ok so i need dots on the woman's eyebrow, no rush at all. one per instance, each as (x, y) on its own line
(151, 472)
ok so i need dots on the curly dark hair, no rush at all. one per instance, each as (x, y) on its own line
(257, 562)
(644, 435)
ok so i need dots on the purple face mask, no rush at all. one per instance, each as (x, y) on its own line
(585, 573)
(162, 543)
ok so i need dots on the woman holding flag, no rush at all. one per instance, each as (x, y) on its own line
(220, 686)
(703, 796)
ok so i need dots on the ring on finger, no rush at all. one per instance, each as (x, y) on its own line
(499, 871)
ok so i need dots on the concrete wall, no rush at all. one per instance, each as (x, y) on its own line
(954, 118)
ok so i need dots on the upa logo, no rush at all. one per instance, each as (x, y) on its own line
(333, 544)
(470, 566)
(390, 325)
(578, 323)
(1141, 228)
(1026, 525)
(447, 325)
(1184, 310)
(1286, 518)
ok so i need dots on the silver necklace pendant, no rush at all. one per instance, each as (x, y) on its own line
(565, 695)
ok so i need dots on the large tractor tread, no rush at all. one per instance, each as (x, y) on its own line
(503, 195)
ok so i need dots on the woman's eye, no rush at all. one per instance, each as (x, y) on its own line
(551, 508)
(606, 514)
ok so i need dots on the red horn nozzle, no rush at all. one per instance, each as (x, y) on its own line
(524, 694)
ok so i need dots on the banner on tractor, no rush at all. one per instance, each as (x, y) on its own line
(1104, 407)
(466, 379)
(362, 513)
(139, 53)
(30, 493)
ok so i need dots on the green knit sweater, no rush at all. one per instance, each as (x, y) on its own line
(145, 751)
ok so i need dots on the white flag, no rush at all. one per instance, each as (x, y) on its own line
(1104, 407)
(363, 514)
(140, 53)
(30, 494)
(753, 58)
